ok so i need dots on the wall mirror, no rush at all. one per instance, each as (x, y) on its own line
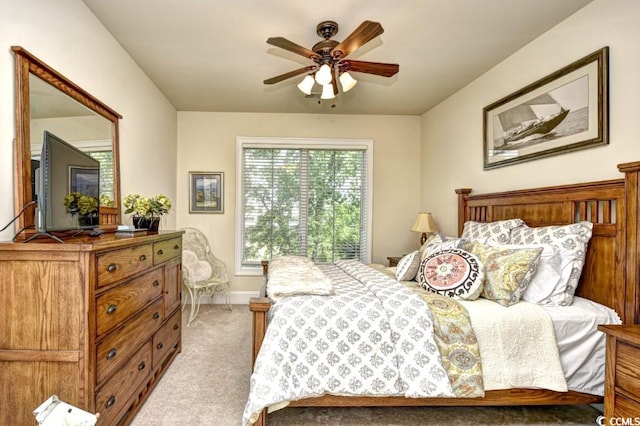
(46, 100)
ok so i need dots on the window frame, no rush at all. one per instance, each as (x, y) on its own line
(291, 143)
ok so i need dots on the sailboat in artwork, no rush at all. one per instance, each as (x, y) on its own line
(539, 115)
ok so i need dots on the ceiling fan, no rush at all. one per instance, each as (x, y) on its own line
(330, 59)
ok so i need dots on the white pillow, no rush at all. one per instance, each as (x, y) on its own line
(497, 232)
(454, 273)
(407, 267)
(198, 270)
(571, 242)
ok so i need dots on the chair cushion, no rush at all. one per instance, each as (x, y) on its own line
(199, 270)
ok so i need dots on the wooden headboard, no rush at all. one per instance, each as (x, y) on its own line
(611, 272)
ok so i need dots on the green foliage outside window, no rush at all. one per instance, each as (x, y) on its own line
(303, 202)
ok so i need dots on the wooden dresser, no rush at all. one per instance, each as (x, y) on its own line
(95, 321)
(622, 377)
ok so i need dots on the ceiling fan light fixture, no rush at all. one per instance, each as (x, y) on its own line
(323, 76)
(306, 85)
(347, 81)
(327, 92)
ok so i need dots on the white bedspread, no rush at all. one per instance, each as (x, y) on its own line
(371, 337)
(517, 346)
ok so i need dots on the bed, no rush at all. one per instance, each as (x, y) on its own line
(610, 275)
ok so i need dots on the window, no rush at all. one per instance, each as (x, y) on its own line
(307, 197)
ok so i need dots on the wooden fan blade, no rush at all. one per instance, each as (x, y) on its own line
(285, 44)
(377, 68)
(287, 75)
(366, 32)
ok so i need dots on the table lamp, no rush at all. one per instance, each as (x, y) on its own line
(425, 224)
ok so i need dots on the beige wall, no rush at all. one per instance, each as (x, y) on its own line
(452, 131)
(67, 36)
(207, 142)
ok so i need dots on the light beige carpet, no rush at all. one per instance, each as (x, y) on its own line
(208, 384)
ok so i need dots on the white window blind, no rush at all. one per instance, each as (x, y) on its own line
(304, 200)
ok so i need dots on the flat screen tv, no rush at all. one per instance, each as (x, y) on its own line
(67, 188)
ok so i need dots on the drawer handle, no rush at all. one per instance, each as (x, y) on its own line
(111, 401)
(156, 283)
(156, 315)
(112, 353)
(160, 346)
(111, 309)
(112, 267)
(143, 257)
(160, 252)
(176, 247)
(176, 326)
(142, 366)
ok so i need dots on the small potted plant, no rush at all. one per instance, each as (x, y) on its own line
(146, 211)
(85, 206)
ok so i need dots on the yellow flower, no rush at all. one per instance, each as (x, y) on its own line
(147, 207)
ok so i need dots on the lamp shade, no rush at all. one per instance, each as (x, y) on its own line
(424, 223)
(323, 76)
(327, 92)
(306, 85)
(347, 81)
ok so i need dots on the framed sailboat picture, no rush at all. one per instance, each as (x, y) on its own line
(564, 111)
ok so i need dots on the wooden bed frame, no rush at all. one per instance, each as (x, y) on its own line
(611, 274)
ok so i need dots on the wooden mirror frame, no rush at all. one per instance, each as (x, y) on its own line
(26, 64)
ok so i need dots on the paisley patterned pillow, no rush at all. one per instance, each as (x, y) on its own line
(452, 272)
(571, 241)
(507, 271)
(438, 242)
(498, 232)
(407, 267)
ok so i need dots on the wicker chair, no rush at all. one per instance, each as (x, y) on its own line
(202, 273)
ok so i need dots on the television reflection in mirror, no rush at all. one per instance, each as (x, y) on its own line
(67, 185)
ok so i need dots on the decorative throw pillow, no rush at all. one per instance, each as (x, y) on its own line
(407, 267)
(571, 242)
(452, 272)
(198, 270)
(543, 287)
(507, 271)
(438, 242)
(498, 232)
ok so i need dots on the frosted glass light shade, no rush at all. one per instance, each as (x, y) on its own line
(323, 76)
(327, 92)
(347, 81)
(306, 85)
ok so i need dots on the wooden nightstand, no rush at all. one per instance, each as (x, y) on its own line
(393, 260)
(622, 376)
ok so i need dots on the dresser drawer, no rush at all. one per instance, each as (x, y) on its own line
(166, 338)
(117, 392)
(120, 264)
(117, 347)
(119, 303)
(628, 369)
(165, 250)
(626, 408)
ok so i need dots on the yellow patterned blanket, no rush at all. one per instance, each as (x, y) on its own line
(456, 342)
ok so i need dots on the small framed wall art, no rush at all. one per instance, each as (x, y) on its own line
(564, 111)
(206, 192)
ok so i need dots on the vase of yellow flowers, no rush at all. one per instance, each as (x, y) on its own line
(147, 211)
(85, 206)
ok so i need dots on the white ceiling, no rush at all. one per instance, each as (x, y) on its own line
(212, 55)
